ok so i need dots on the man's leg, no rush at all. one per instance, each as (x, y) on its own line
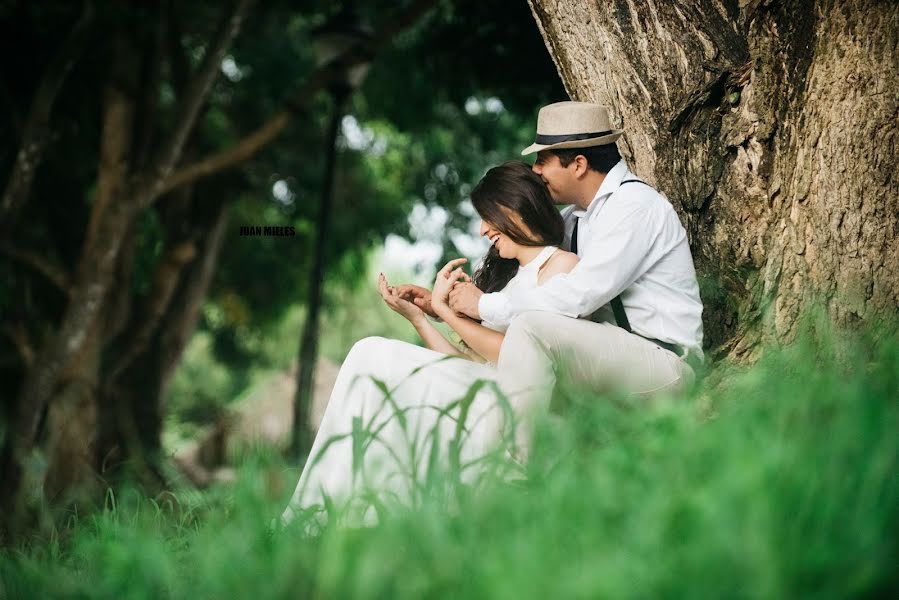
(541, 349)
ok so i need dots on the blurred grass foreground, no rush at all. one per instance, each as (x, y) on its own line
(779, 480)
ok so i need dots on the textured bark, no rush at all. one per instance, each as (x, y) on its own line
(772, 128)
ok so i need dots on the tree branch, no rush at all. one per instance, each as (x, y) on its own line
(165, 281)
(317, 80)
(194, 98)
(55, 274)
(36, 131)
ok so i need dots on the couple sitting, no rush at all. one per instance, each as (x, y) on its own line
(522, 318)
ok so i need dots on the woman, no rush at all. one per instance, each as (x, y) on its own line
(394, 403)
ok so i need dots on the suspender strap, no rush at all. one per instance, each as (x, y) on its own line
(617, 306)
(620, 315)
(573, 245)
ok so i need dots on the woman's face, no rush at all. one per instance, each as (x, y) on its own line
(506, 246)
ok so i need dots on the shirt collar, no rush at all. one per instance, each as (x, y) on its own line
(609, 185)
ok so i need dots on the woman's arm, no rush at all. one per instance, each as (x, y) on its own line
(483, 340)
(433, 339)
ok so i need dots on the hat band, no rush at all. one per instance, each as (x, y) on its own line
(570, 137)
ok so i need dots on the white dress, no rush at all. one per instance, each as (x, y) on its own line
(392, 403)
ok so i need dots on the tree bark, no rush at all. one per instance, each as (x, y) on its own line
(772, 128)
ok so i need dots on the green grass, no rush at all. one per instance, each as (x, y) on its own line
(775, 482)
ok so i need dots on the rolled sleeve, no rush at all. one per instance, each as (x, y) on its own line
(494, 308)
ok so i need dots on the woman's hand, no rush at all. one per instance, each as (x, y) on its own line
(443, 284)
(393, 299)
(417, 295)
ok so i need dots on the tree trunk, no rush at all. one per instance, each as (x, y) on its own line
(71, 421)
(772, 128)
(133, 392)
(113, 215)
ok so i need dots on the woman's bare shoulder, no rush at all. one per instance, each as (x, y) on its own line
(560, 262)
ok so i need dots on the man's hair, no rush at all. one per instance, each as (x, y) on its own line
(599, 158)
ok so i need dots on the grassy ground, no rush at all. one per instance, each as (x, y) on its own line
(778, 481)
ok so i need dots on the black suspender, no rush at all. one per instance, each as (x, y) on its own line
(573, 244)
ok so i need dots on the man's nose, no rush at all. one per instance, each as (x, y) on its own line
(537, 169)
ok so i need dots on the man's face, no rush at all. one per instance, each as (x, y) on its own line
(559, 180)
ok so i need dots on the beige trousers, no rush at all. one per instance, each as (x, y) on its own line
(542, 350)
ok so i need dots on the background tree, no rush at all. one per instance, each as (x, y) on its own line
(772, 128)
(155, 121)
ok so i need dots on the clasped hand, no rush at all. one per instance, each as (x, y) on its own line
(447, 277)
(453, 292)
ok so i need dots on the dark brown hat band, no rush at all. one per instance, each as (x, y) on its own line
(555, 139)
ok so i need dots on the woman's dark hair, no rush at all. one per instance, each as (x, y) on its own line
(513, 189)
(599, 158)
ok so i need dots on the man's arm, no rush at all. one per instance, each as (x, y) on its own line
(614, 258)
(465, 297)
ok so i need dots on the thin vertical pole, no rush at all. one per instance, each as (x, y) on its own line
(308, 352)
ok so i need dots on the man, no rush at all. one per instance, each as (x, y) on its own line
(635, 278)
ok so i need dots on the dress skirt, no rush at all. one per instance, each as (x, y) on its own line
(391, 424)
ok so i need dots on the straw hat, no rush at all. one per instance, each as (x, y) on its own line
(572, 125)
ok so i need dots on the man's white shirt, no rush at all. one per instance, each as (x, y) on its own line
(630, 242)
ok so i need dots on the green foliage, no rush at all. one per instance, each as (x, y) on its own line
(777, 481)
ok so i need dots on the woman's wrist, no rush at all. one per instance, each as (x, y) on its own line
(419, 321)
(441, 309)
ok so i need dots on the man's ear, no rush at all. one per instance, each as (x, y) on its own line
(581, 166)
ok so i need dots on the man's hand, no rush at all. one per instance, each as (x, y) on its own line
(464, 298)
(418, 295)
